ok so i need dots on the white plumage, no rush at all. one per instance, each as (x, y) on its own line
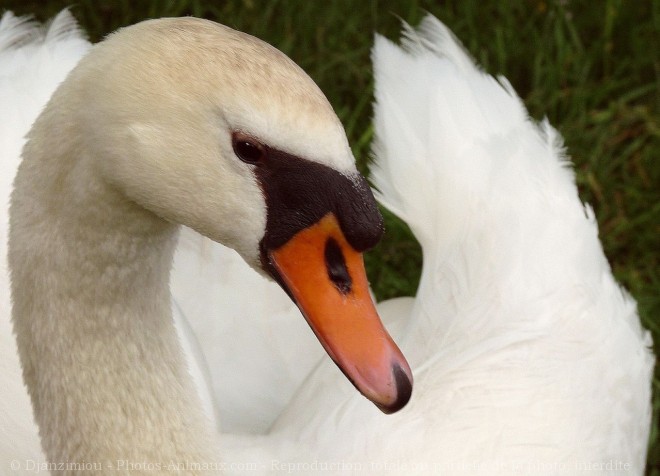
(528, 357)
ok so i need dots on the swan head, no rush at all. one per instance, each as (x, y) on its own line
(211, 128)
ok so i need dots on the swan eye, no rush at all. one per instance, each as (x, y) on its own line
(247, 149)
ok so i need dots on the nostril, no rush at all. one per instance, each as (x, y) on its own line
(336, 266)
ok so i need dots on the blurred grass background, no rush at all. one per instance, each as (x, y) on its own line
(592, 68)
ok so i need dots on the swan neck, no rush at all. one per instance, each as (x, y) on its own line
(92, 315)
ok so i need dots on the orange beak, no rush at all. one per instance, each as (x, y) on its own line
(326, 278)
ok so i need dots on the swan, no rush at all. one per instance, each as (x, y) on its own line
(528, 358)
(112, 166)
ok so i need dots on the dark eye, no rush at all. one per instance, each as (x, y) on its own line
(247, 149)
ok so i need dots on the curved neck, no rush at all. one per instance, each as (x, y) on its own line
(100, 354)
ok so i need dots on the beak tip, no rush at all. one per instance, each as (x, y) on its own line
(403, 382)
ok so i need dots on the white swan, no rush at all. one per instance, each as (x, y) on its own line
(528, 358)
(90, 265)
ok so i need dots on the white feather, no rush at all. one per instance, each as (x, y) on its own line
(528, 357)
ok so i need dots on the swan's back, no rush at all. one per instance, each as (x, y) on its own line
(528, 357)
(518, 307)
(33, 61)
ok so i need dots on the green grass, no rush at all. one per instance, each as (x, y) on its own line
(591, 67)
